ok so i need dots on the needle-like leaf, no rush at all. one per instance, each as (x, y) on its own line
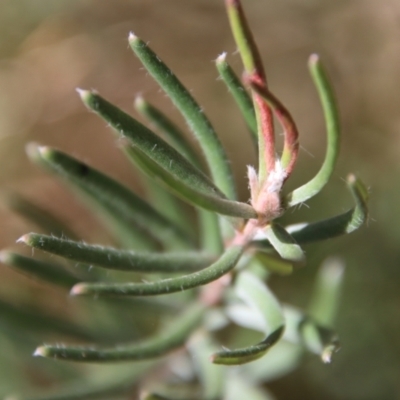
(104, 389)
(325, 299)
(258, 297)
(190, 193)
(124, 260)
(164, 161)
(40, 217)
(319, 339)
(172, 337)
(49, 272)
(331, 114)
(219, 268)
(29, 319)
(192, 112)
(108, 193)
(210, 237)
(169, 129)
(239, 93)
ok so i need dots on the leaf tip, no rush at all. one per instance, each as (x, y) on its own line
(5, 256)
(139, 103)
(24, 239)
(79, 289)
(313, 60)
(132, 38)
(41, 351)
(221, 58)
(85, 95)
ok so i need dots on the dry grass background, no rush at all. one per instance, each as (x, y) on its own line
(48, 48)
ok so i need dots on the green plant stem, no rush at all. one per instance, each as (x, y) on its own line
(339, 225)
(193, 114)
(219, 268)
(124, 260)
(291, 142)
(172, 337)
(254, 67)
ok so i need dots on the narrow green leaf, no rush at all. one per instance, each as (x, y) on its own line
(209, 230)
(239, 93)
(315, 329)
(190, 193)
(258, 297)
(254, 68)
(319, 339)
(110, 194)
(274, 264)
(325, 298)
(284, 243)
(282, 359)
(301, 329)
(166, 163)
(42, 270)
(106, 389)
(30, 320)
(153, 396)
(240, 388)
(219, 268)
(192, 112)
(331, 115)
(169, 130)
(171, 338)
(210, 237)
(212, 377)
(41, 218)
(335, 226)
(124, 260)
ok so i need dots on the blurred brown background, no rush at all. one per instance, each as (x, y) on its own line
(48, 48)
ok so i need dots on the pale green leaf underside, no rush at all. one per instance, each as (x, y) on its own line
(326, 293)
(284, 243)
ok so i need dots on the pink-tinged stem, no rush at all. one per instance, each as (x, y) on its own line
(291, 143)
(253, 66)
